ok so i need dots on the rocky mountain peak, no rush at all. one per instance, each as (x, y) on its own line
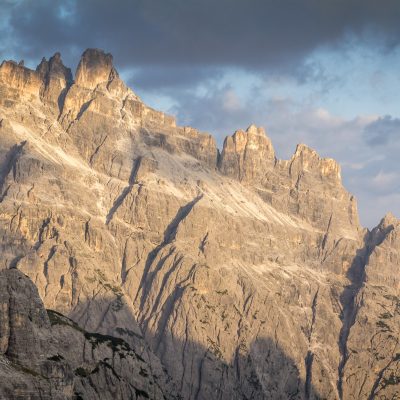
(48, 82)
(255, 130)
(21, 79)
(54, 68)
(389, 219)
(306, 159)
(56, 78)
(384, 259)
(247, 154)
(95, 67)
(380, 233)
(97, 88)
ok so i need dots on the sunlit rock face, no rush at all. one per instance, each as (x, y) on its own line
(247, 155)
(56, 79)
(233, 274)
(306, 186)
(22, 80)
(95, 67)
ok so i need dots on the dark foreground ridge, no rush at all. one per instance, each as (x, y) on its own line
(45, 355)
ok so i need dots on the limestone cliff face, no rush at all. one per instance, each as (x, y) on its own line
(306, 186)
(242, 275)
(56, 79)
(44, 355)
(374, 317)
(95, 67)
(20, 79)
(383, 263)
(248, 155)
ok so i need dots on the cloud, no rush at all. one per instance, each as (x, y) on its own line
(383, 131)
(168, 79)
(222, 109)
(255, 34)
(384, 180)
(219, 110)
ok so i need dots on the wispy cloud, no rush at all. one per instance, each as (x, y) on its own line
(383, 131)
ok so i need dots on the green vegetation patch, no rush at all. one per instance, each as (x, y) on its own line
(124, 331)
(214, 348)
(57, 357)
(114, 343)
(82, 372)
(105, 364)
(28, 371)
(385, 327)
(141, 393)
(391, 380)
(57, 318)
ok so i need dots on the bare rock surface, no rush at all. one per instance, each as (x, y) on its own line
(45, 355)
(244, 276)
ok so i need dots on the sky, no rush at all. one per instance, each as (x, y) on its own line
(321, 72)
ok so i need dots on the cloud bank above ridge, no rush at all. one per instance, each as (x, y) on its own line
(323, 73)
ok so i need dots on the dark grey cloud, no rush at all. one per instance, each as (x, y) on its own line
(171, 79)
(254, 34)
(383, 131)
(219, 110)
(184, 50)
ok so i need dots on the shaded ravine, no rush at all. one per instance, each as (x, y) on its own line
(9, 165)
(349, 298)
(395, 357)
(310, 355)
(241, 368)
(120, 199)
(349, 301)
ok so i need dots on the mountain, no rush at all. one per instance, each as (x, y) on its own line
(232, 274)
(48, 356)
